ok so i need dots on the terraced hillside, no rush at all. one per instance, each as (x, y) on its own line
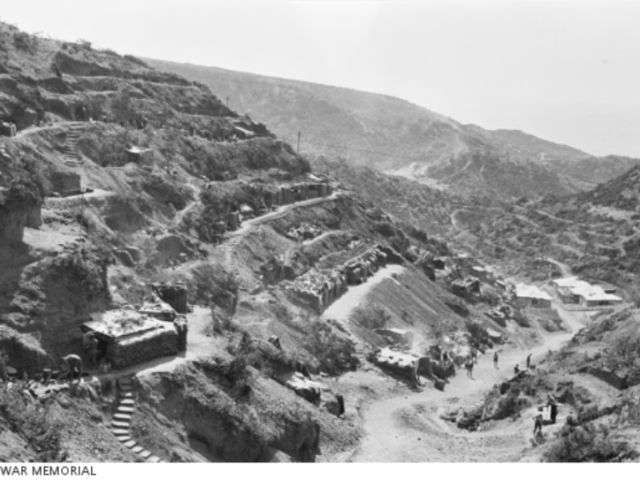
(595, 233)
(396, 136)
(121, 176)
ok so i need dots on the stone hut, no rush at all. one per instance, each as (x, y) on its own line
(127, 338)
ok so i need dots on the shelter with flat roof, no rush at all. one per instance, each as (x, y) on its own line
(127, 337)
(576, 291)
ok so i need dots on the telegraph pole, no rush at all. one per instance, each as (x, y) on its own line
(298, 149)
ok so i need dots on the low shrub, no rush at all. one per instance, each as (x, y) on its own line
(478, 332)
(334, 353)
(589, 443)
(213, 284)
(84, 266)
(23, 192)
(135, 60)
(34, 422)
(370, 317)
(535, 385)
(24, 41)
(521, 319)
(511, 404)
(166, 192)
(623, 352)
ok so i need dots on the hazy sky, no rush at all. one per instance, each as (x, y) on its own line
(567, 71)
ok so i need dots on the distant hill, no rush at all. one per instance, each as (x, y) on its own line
(622, 193)
(396, 136)
(596, 233)
(412, 202)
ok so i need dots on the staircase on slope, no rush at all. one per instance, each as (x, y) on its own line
(121, 420)
(70, 151)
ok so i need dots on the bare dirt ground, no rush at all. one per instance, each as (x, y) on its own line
(407, 427)
(342, 308)
(280, 212)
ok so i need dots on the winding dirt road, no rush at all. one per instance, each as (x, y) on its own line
(408, 428)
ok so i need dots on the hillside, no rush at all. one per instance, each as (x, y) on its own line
(595, 233)
(398, 137)
(223, 298)
(119, 182)
(416, 204)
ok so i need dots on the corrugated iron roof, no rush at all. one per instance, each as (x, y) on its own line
(531, 291)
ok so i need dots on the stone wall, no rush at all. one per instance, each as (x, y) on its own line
(66, 183)
(615, 379)
(152, 345)
(319, 290)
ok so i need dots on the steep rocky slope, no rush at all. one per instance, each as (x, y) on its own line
(394, 135)
(419, 205)
(595, 233)
(120, 176)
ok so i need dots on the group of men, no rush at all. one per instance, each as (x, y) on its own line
(516, 369)
(72, 364)
(551, 401)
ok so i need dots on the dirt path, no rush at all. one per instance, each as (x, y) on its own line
(408, 428)
(342, 308)
(566, 270)
(280, 212)
(34, 129)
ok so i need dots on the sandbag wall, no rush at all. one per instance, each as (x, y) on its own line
(143, 348)
(319, 290)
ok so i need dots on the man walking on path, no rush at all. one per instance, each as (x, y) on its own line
(537, 426)
(469, 366)
(528, 361)
(495, 359)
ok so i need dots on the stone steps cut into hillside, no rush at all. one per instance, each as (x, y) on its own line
(121, 420)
